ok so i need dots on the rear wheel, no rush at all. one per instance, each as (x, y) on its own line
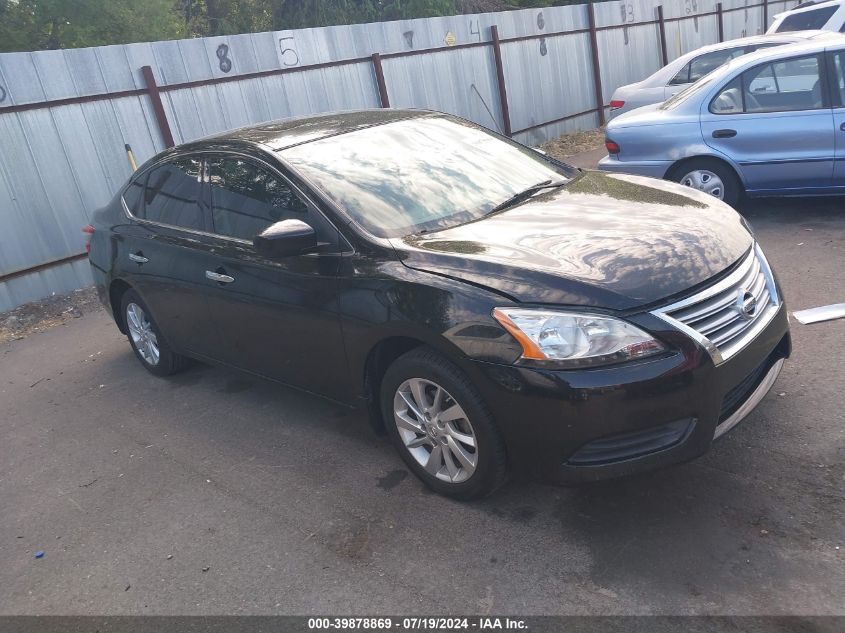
(441, 426)
(711, 176)
(146, 340)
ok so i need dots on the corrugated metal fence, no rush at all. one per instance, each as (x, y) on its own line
(65, 116)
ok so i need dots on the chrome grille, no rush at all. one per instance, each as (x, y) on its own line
(726, 316)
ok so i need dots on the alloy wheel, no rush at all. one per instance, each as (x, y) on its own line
(435, 430)
(141, 332)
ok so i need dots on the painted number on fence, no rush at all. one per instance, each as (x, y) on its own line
(627, 9)
(475, 29)
(691, 6)
(289, 55)
(223, 56)
(409, 38)
(541, 24)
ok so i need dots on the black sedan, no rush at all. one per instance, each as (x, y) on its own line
(490, 306)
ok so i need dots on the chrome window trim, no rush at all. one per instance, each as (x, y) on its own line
(342, 252)
(760, 323)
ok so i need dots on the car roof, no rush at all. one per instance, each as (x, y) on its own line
(817, 45)
(284, 133)
(810, 5)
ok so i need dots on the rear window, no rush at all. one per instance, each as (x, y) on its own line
(807, 20)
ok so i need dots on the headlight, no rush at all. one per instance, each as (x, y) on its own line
(575, 339)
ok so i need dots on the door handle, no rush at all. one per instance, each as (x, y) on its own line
(138, 258)
(724, 133)
(218, 277)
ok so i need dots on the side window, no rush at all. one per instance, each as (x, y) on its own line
(761, 80)
(807, 20)
(789, 85)
(793, 84)
(704, 64)
(172, 194)
(247, 198)
(729, 101)
(134, 196)
(681, 78)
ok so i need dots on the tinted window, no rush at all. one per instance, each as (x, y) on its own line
(134, 196)
(709, 62)
(420, 174)
(172, 194)
(790, 85)
(247, 198)
(807, 20)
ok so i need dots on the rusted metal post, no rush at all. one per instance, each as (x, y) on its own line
(661, 23)
(594, 50)
(382, 86)
(721, 17)
(500, 75)
(158, 106)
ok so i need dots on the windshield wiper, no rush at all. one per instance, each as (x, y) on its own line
(525, 194)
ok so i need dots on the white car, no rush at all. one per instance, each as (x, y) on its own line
(689, 68)
(828, 15)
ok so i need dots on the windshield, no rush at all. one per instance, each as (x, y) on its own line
(420, 174)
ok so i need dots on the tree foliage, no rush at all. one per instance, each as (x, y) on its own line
(52, 24)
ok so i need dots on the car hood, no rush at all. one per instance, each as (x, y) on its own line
(605, 240)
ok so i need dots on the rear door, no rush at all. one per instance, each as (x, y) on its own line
(775, 121)
(278, 318)
(163, 251)
(836, 67)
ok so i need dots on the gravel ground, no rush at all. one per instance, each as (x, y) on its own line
(569, 145)
(47, 313)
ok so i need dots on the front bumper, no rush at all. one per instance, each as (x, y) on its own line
(587, 425)
(651, 168)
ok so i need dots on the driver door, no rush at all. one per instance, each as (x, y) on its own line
(277, 318)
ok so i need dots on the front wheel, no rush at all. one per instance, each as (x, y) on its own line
(710, 176)
(441, 426)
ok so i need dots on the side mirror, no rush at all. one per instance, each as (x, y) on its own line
(285, 239)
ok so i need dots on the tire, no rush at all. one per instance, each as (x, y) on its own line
(464, 451)
(707, 175)
(145, 338)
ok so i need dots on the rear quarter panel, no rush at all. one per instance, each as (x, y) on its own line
(673, 139)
